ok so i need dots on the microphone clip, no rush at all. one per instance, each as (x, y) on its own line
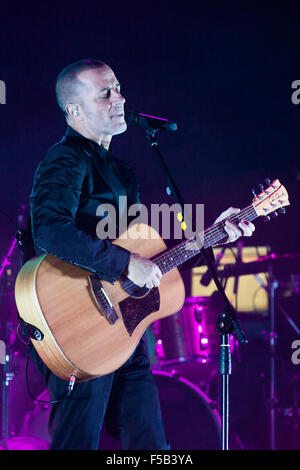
(151, 124)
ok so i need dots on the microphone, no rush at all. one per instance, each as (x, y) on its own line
(207, 277)
(149, 123)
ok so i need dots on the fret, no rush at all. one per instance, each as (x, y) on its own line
(190, 248)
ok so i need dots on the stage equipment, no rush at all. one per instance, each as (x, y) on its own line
(249, 297)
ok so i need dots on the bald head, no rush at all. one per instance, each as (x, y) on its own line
(68, 85)
(89, 94)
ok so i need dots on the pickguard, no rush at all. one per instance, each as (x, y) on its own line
(134, 310)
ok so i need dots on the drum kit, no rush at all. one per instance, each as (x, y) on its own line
(184, 354)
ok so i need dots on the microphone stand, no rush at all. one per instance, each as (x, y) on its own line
(227, 322)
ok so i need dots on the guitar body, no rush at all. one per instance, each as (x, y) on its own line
(79, 337)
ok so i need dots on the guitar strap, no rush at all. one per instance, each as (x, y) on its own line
(26, 246)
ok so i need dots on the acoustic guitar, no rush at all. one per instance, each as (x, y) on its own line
(88, 327)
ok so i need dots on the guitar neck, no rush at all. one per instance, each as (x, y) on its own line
(188, 249)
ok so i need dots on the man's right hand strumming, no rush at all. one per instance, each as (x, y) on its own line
(143, 272)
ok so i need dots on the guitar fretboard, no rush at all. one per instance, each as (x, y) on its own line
(188, 249)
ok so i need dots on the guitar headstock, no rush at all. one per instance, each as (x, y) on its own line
(274, 198)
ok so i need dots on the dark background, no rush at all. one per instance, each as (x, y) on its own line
(222, 71)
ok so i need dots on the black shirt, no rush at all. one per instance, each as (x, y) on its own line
(72, 180)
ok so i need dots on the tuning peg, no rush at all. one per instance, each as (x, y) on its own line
(282, 210)
(267, 218)
(261, 187)
(268, 181)
(253, 192)
(274, 214)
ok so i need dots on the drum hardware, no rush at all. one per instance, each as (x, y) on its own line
(290, 288)
(295, 280)
(287, 263)
(271, 287)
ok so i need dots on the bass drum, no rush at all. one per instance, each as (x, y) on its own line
(35, 423)
(23, 443)
(27, 418)
(190, 418)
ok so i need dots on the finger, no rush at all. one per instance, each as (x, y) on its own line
(232, 230)
(247, 231)
(250, 224)
(227, 213)
(153, 283)
(231, 235)
(158, 271)
(232, 210)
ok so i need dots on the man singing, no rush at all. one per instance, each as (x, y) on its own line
(76, 175)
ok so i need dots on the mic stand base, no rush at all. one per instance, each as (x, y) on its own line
(225, 327)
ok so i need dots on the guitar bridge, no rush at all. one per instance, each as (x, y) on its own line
(102, 300)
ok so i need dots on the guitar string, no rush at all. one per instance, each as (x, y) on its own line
(209, 233)
(209, 236)
(177, 251)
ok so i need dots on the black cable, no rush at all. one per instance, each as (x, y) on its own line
(53, 402)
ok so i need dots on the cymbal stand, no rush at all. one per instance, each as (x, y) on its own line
(270, 288)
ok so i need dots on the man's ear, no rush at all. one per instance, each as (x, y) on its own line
(73, 110)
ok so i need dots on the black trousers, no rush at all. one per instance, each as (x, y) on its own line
(126, 400)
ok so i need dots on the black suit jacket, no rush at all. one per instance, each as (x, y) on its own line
(71, 181)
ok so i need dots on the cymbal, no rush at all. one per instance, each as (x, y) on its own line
(283, 264)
